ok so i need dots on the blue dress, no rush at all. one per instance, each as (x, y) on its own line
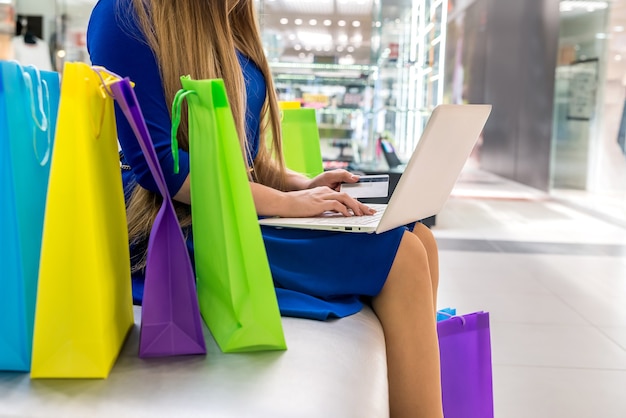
(317, 274)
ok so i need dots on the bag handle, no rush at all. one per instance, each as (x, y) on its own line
(176, 110)
(107, 78)
(38, 102)
(125, 96)
(450, 316)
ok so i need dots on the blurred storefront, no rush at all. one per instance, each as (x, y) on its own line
(554, 70)
(556, 74)
(588, 153)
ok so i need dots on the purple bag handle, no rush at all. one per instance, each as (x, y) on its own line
(126, 99)
(192, 341)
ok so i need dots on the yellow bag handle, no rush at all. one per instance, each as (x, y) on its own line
(107, 78)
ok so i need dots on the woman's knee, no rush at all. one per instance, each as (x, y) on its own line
(413, 246)
(411, 261)
(426, 236)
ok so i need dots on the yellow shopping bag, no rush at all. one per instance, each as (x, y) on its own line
(84, 304)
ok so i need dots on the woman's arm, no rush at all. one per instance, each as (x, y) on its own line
(300, 203)
(296, 181)
(332, 179)
(115, 41)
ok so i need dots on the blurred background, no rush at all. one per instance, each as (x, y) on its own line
(555, 72)
(534, 230)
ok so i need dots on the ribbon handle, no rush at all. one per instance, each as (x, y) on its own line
(176, 111)
(37, 103)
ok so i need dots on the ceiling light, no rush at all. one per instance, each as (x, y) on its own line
(284, 21)
(346, 60)
(292, 37)
(591, 6)
(343, 38)
(312, 38)
(327, 22)
(312, 22)
(350, 49)
(297, 47)
(339, 48)
(297, 22)
(341, 23)
(356, 24)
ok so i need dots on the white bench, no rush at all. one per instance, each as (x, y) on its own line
(331, 369)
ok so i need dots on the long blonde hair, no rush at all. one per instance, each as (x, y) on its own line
(199, 38)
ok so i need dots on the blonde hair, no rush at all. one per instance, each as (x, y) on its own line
(199, 38)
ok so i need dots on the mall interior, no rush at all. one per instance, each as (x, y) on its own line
(535, 229)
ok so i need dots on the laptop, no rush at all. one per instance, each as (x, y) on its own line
(425, 185)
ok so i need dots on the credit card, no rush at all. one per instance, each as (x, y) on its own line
(368, 186)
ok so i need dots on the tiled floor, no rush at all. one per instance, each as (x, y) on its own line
(553, 277)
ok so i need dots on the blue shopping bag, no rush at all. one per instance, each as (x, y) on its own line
(29, 101)
(445, 313)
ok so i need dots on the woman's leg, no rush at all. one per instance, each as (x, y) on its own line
(406, 311)
(430, 244)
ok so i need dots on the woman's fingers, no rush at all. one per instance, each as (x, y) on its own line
(347, 205)
(334, 178)
(314, 202)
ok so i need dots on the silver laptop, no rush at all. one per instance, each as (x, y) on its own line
(427, 180)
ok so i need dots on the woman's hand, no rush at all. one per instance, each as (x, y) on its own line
(317, 200)
(333, 179)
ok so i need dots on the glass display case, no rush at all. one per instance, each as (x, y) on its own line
(391, 97)
(411, 66)
(342, 95)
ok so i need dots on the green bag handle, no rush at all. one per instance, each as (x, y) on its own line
(176, 110)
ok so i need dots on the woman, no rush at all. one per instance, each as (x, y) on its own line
(154, 42)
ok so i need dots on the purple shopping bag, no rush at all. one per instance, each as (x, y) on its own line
(170, 321)
(466, 376)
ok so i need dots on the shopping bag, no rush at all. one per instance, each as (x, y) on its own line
(29, 101)
(466, 375)
(170, 318)
(234, 283)
(301, 141)
(445, 313)
(84, 304)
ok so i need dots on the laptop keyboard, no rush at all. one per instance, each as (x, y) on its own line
(333, 218)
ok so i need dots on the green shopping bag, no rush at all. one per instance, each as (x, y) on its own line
(234, 283)
(301, 141)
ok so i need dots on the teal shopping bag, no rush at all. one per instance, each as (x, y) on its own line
(29, 101)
